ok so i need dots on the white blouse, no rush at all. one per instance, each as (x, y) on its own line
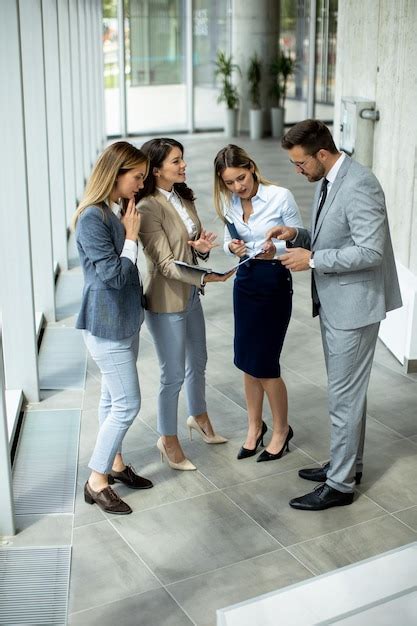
(130, 248)
(272, 206)
(175, 200)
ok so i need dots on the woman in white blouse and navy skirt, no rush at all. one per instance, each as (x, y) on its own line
(171, 231)
(262, 295)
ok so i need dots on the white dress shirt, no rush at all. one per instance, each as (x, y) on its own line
(333, 172)
(130, 249)
(175, 200)
(272, 206)
(330, 177)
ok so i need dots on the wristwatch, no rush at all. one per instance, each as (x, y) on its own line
(311, 262)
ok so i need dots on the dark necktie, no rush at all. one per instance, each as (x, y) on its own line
(323, 196)
(314, 294)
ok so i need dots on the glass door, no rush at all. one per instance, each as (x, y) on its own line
(156, 90)
(211, 32)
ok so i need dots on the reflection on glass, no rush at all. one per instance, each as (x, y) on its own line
(155, 65)
(211, 27)
(294, 39)
(111, 67)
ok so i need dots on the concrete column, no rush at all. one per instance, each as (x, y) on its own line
(76, 97)
(55, 132)
(16, 294)
(255, 28)
(380, 66)
(7, 523)
(34, 101)
(66, 108)
(91, 72)
(84, 60)
(101, 73)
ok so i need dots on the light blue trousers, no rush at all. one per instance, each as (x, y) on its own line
(120, 394)
(180, 341)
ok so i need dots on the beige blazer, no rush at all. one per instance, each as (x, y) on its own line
(164, 238)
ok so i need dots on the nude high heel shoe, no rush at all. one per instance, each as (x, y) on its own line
(185, 465)
(192, 423)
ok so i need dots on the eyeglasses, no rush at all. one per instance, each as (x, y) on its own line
(301, 164)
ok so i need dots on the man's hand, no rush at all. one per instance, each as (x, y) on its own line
(285, 233)
(296, 259)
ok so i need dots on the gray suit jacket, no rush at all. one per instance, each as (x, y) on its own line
(111, 304)
(355, 273)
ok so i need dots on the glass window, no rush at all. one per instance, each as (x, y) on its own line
(111, 67)
(155, 65)
(211, 32)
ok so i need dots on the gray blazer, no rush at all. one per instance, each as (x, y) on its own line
(355, 273)
(111, 304)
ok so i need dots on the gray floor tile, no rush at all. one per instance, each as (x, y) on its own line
(152, 608)
(203, 595)
(59, 399)
(266, 500)
(104, 568)
(397, 407)
(85, 513)
(62, 359)
(169, 485)
(220, 465)
(42, 530)
(353, 544)
(193, 536)
(68, 294)
(386, 480)
(408, 516)
(138, 436)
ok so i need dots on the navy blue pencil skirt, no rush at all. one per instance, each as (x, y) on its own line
(262, 303)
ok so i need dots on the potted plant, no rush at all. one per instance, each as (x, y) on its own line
(228, 92)
(281, 69)
(254, 76)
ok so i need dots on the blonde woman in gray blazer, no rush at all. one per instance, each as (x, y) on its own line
(354, 284)
(111, 312)
(171, 230)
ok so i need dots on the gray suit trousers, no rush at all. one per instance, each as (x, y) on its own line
(349, 355)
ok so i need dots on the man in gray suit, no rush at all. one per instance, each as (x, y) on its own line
(354, 283)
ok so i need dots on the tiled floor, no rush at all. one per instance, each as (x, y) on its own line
(379, 591)
(203, 540)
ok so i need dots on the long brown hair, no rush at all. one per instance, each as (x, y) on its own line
(117, 159)
(231, 156)
(157, 151)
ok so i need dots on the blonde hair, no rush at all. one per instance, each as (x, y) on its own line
(117, 159)
(231, 156)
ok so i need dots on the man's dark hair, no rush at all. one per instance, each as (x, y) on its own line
(312, 135)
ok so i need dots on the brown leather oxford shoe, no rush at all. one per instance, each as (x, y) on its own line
(107, 500)
(129, 478)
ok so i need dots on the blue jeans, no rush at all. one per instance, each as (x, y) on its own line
(120, 394)
(180, 341)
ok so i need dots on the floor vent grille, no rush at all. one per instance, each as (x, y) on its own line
(45, 467)
(62, 359)
(34, 585)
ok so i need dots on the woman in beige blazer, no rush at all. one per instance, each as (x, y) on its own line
(171, 230)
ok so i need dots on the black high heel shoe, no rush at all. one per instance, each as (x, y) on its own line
(244, 453)
(267, 456)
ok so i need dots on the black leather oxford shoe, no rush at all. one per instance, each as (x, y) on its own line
(323, 497)
(319, 474)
